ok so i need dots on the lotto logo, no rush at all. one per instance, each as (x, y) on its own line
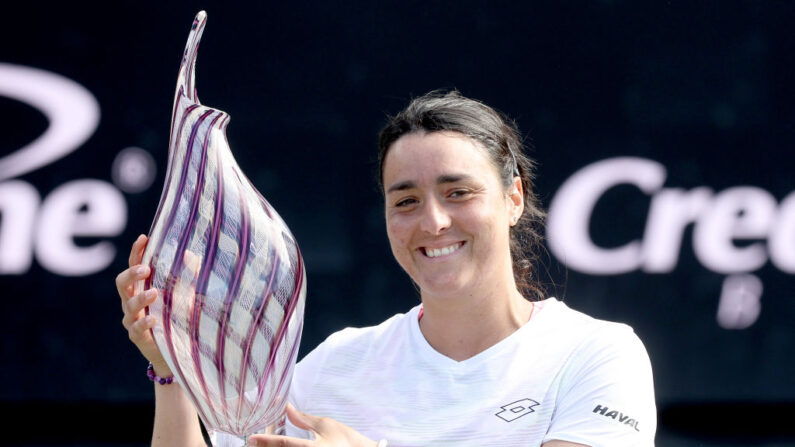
(515, 410)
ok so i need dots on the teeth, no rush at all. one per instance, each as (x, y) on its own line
(436, 252)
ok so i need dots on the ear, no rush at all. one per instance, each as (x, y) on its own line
(515, 201)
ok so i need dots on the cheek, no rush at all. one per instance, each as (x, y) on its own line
(482, 220)
(401, 253)
(491, 225)
(398, 235)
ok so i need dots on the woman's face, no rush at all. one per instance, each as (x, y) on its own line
(448, 215)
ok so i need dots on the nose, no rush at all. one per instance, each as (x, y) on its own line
(434, 218)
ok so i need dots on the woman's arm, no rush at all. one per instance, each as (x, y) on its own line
(176, 422)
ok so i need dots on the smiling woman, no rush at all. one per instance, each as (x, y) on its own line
(497, 140)
(486, 359)
(447, 215)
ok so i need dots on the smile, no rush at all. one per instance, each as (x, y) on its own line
(436, 252)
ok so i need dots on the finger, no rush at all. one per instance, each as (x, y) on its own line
(278, 441)
(132, 274)
(136, 304)
(304, 421)
(125, 279)
(193, 262)
(139, 331)
(135, 311)
(137, 251)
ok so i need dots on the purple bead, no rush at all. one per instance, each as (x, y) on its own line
(150, 372)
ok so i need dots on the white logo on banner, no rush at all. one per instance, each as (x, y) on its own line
(720, 218)
(78, 208)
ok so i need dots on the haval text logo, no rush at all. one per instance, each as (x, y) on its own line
(719, 219)
(78, 208)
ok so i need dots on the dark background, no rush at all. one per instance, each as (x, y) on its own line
(704, 88)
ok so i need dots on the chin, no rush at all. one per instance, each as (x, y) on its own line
(443, 288)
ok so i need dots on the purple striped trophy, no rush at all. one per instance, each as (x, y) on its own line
(230, 278)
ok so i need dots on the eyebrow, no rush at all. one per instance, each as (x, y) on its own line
(445, 178)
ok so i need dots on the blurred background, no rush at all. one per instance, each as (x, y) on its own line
(663, 133)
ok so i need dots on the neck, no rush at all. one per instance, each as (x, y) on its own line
(463, 326)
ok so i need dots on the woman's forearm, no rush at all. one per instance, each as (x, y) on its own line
(176, 421)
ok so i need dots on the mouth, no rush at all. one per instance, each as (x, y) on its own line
(443, 251)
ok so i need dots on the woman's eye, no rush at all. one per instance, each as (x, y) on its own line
(404, 202)
(458, 193)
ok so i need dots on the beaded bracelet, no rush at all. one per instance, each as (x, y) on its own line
(150, 372)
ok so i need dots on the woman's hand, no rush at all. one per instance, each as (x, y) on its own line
(328, 432)
(137, 323)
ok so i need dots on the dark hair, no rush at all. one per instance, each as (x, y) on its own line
(440, 111)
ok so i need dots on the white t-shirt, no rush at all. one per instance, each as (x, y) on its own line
(563, 375)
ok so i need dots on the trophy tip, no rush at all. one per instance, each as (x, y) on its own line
(201, 16)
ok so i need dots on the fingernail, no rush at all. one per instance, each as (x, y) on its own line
(251, 442)
(151, 293)
(140, 270)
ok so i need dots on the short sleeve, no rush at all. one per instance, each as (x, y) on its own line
(606, 393)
